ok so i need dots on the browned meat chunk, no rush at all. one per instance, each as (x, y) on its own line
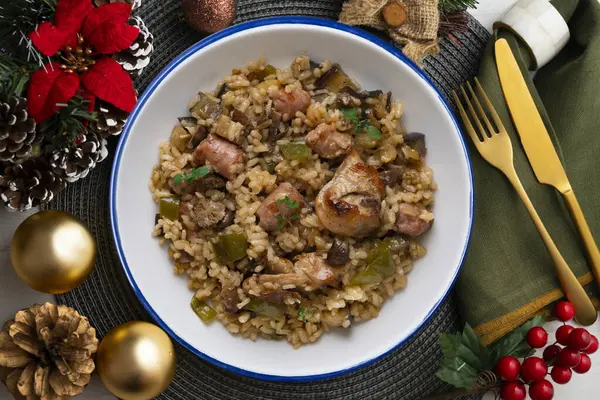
(327, 142)
(409, 222)
(310, 272)
(224, 156)
(201, 185)
(269, 210)
(230, 299)
(291, 103)
(202, 212)
(349, 204)
(316, 269)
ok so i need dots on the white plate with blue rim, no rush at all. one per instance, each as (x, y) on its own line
(375, 64)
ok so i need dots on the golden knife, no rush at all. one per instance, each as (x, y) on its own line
(538, 145)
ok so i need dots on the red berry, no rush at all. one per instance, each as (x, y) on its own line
(537, 337)
(508, 368)
(584, 364)
(513, 391)
(579, 339)
(563, 333)
(533, 369)
(568, 358)
(542, 390)
(551, 353)
(593, 347)
(564, 311)
(561, 375)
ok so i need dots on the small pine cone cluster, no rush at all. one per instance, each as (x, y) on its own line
(46, 352)
(17, 130)
(75, 162)
(110, 120)
(29, 184)
(137, 56)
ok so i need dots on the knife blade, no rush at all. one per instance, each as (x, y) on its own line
(534, 136)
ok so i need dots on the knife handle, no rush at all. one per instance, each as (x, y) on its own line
(585, 312)
(584, 231)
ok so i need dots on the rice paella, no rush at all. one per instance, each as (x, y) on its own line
(292, 200)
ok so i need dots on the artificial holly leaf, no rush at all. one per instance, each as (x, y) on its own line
(473, 343)
(70, 14)
(106, 28)
(48, 87)
(48, 39)
(515, 343)
(450, 342)
(108, 81)
(460, 377)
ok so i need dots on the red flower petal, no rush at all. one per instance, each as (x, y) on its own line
(106, 28)
(70, 14)
(47, 38)
(48, 87)
(108, 81)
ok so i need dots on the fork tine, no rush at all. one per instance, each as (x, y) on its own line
(490, 106)
(482, 113)
(466, 119)
(474, 115)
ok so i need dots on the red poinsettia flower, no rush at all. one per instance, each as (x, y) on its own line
(104, 31)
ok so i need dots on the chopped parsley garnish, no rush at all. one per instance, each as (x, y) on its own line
(304, 314)
(191, 176)
(351, 114)
(285, 219)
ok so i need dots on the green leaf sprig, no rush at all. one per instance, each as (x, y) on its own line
(282, 218)
(465, 357)
(304, 314)
(191, 176)
(351, 114)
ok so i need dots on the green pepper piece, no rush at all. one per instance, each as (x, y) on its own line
(380, 265)
(261, 74)
(295, 151)
(168, 208)
(367, 277)
(265, 308)
(231, 247)
(205, 312)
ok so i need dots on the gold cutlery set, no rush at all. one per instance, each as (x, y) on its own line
(493, 143)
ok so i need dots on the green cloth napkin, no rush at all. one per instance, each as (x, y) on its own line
(508, 275)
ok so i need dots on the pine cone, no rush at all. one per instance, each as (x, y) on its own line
(17, 130)
(110, 121)
(28, 184)
(137, 56)
(135, 4)
(46, 353)
(75, 162)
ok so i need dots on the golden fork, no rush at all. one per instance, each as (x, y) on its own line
(495, 147)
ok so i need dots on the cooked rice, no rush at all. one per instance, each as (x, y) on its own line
(193, 253)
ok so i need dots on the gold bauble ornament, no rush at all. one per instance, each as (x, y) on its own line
(53, 252)
(136, 361)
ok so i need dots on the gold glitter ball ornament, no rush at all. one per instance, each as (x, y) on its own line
(53, 252)
(210, 15)
(136, 361)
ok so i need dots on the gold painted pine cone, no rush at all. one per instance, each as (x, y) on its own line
(46, 353)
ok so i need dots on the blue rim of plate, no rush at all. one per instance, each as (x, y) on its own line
(153, 86)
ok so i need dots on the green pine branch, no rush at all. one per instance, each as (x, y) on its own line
(68, 123)
(18, 18)
(14, 75)
(452, 6)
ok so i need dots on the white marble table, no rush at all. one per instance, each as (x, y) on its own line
(14, 295)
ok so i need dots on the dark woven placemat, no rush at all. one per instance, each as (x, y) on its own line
(107, 299)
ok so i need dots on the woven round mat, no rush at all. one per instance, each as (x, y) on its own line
(107, 299)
